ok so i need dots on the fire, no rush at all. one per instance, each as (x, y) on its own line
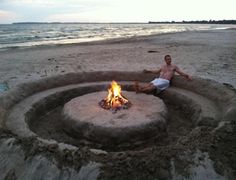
(114, 99)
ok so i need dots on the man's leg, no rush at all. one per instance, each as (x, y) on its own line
(148, 88)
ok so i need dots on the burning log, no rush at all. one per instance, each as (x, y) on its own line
(115, 100)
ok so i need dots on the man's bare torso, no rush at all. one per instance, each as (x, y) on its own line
(167, 71)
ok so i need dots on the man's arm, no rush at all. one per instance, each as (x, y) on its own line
(182, 73)
(152, 71)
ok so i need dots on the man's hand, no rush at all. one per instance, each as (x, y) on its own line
(188, 77)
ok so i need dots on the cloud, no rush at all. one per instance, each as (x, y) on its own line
(85, 11)
(117, 10)
(6, 16)
(34, 2)
(56, 3)
(104, 12)
(69, 17)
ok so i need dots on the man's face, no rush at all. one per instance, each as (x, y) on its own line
(168, 60)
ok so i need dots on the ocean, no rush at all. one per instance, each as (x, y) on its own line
(28, 35)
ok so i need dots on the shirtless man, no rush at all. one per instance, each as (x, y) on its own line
(166, 71)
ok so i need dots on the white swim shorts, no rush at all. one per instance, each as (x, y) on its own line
(161, 83)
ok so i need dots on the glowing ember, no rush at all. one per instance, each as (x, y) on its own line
(115, 100)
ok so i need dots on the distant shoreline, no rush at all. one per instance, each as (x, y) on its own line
(150, 22)
(80, 23)
(195, 22)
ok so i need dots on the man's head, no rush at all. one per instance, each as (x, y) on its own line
(167, 59)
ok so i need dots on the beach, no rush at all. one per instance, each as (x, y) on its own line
(192, 138)
(207, 54)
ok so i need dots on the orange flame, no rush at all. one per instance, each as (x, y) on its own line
(114, 99)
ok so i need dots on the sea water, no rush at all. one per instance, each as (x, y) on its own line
(33, 34)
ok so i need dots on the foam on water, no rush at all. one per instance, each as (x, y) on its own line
(27, 35)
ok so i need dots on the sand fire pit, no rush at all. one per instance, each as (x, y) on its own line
(57, 123)
(84, 117)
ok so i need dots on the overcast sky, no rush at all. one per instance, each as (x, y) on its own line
(115, 10)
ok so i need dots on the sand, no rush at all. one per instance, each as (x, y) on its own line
(188, 152)
(84, 117)
(208, 54)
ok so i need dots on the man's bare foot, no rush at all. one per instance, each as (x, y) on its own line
(136, 86)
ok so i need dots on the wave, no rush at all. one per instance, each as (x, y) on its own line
(28, 35)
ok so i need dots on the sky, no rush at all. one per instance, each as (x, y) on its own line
(115, 10)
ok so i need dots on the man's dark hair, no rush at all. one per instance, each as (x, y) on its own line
(166, 56)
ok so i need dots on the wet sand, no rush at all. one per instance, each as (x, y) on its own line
(208, 54)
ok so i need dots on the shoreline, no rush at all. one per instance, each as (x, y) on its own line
(106, 41)
(208, 54)
(94, 42)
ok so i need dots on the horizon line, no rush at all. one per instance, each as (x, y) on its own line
(149, 22)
